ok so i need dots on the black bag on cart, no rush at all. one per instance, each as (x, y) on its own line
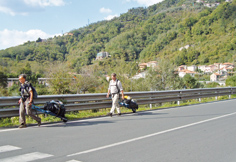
(129, 103)
(133, 105)
(56, 107)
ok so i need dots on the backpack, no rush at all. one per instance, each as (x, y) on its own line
(26, 87)
(117, 86)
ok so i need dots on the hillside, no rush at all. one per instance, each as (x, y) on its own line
(141, 34)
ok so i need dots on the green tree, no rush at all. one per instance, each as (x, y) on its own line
(59, 78)
(86, 82)
(3, 80)
(163, 77)
(190, 82)
(212, 85)
(231, 81)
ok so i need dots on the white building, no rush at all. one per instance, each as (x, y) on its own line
(186, 47)
(102, 55)
(199, 1)
(152, 64)
(182, 67)
(184, 72)
(192, 68)
(202, 67)
(215, 77)
(140, 75)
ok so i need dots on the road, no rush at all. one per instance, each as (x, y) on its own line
(197, 133)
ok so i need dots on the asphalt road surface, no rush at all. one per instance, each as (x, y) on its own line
(196, 133)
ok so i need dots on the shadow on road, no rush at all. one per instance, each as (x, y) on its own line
(80, 123)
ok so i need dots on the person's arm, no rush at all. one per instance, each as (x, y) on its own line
(20, 98)
(121, 89)
(108, 93)
(109, 90)
(31, 97)
(122, 93)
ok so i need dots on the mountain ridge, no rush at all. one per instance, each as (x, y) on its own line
(143, 34)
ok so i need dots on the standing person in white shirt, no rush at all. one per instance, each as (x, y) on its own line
(115, 88)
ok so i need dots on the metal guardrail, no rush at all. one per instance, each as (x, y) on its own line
(75, 102)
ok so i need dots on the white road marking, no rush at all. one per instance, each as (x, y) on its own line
(8, 148)
(73, 161)
(151, 135)
(26, 157)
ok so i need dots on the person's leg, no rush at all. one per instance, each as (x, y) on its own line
(113, 105)
(116, 103)
(22, 113)
(29, 112)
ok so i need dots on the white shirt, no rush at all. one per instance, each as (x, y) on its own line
(113, 87)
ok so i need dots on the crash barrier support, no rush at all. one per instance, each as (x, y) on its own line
(75, 102)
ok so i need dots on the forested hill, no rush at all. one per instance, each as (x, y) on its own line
(143, 34)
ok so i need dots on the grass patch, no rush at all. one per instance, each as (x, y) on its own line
(14, 121)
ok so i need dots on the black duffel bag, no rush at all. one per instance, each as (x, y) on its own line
(133, 105)
(56, 107)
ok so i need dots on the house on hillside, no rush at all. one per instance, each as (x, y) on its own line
(207, 5)
(140, 75)
(182, 67)
(12, 81)
(152, 64)
(202, 67)
(71, 34)
(184, 72)
(192, 68)
(215, 77)
(217, 65)
(210, 68)
(226, 65)
(199, 1)
(102, 55)
(107, 77)
(185, 47)
(142, 66)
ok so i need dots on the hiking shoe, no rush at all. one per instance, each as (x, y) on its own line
(119, 114)
(109, 114)
(39, 123)
(22, 126)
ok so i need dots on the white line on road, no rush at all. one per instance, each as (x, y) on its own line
(151, 135)
(8, 148)
(26, 157)
(74, 161)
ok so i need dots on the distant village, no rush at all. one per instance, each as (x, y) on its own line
(217, 71)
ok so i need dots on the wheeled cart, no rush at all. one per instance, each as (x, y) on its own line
(54, 108)
(129, 103)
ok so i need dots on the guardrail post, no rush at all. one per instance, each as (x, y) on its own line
(216, 97)
(199, 99)
(231, 92)
(150, 104)
(178, 102)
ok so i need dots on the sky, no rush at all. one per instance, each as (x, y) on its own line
(27, 20)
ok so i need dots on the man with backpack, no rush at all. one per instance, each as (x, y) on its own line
(27, 94)
(115, 88)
